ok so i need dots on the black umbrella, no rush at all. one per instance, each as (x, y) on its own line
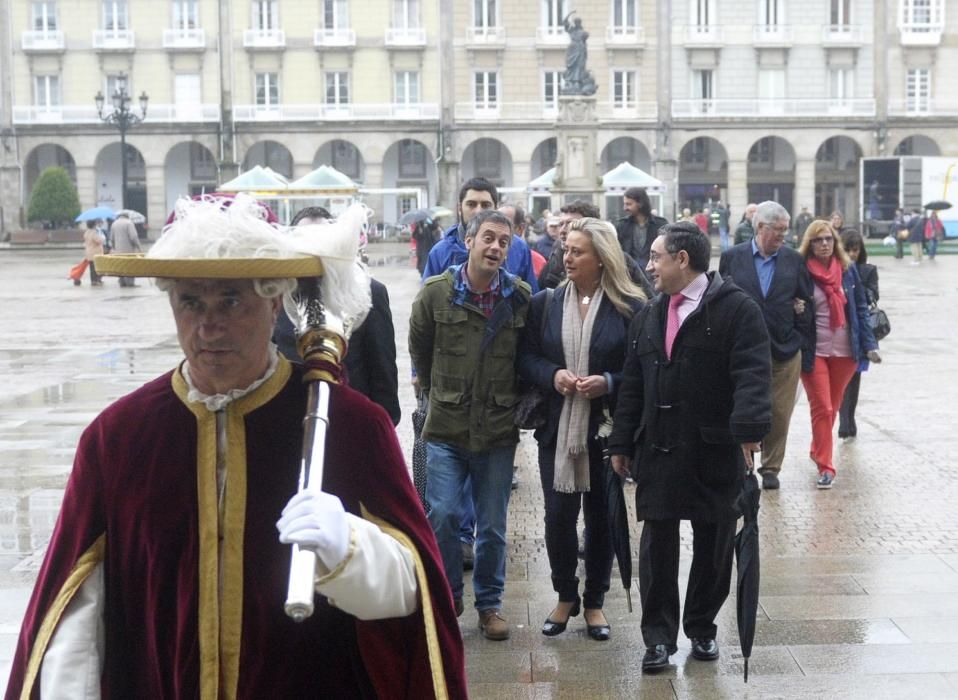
(414, 217)
(746, 554)
(619, 525)
(938, 205)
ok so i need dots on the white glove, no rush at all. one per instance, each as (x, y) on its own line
(316, 522)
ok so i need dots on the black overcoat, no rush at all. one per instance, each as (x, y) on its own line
(682, 420)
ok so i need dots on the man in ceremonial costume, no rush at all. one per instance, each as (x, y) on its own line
(165, 577)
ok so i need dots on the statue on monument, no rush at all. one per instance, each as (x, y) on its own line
(576, 80)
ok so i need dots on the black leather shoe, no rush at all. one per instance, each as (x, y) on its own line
(705, 649)
(656, 658)
(551, 628)
(769, 481)
(457, 603)
(599, 633)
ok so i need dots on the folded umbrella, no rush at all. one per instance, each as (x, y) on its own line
(96, 213)
(618, 525)
(747, 559)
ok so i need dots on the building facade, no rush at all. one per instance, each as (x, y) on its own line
(732, 100)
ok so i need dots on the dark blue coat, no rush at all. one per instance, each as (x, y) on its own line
(541, 355)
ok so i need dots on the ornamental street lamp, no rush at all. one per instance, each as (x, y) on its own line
(122, 117)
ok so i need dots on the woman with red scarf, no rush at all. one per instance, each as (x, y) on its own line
(841, 338)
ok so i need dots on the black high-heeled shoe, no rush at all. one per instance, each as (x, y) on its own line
(599, 633)
(550, 628)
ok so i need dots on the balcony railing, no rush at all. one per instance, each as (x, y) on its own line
(405, 36)
(772, 35)
(912, 107)
(264, 39)
(175, 39)
(551, 35)
(83, 114)
(545, 112)
(625, 36)
(627, 110)
(350, 112)
(334, 37)
(44, 40)
(113, 40)
(920, 34)
(704, 36)
(761, 108)
(843, 35)
(485, 36)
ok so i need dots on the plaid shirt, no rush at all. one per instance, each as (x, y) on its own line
(484, 301)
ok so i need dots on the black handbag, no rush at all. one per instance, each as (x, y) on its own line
(532, 411)
(878, 320)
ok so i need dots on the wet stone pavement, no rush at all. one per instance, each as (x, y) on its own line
(859, 595)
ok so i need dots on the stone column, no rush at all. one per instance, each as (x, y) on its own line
(577, 164)
(804, 186)
(156, 212)
(86, 185)
(737, 187)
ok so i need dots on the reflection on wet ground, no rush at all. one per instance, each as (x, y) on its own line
(859, 584)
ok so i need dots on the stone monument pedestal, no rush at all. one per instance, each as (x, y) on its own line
(577, 164)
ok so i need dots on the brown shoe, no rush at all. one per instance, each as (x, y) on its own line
(493, 625)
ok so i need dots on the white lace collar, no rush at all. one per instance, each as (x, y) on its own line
(217, 402)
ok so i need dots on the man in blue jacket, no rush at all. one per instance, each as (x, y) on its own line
(476, 195)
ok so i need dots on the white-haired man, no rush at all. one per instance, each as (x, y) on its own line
(165, 576)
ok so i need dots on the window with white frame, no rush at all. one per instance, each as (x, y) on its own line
(771, 84)
(116, 16)
(186, 14)
(43, 16)
(267, 90)
(552, 12)
(265, 15)
(406, 87)
(485, 89)
(921, 13)
(702, 13)
(335, 14)
(551, 84)
(412, 159)
(337, 88)
(485, 13)
(46, 92)
(624, 89)
(840, 86)
(840, 13)
(771, 13)
(702, 85)
(918, 90)
(117, 82)
(625, 14)
(405, 14)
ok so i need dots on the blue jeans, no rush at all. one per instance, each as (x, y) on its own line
(467, 512)
(932, 248)
(491, 475)
(723, 238)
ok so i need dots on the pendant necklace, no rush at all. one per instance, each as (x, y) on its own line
(588, 297)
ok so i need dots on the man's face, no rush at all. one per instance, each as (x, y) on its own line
(488, 248)
(224, 328)
(553, 230)
(564, 219)
(750, 211)
(665, 268)
(631, 206)
(770, 237)
(473, 203)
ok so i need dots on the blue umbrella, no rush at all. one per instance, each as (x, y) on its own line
(96, 213)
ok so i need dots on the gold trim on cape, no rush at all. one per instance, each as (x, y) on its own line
(85, 566)
(136, 265)
(221, 621)
(428, 616)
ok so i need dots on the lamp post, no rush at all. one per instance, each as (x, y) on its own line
(122, 117)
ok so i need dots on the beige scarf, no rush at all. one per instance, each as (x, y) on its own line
(572, 452)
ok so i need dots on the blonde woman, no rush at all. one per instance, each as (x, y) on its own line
(574, 348)
(841, 338)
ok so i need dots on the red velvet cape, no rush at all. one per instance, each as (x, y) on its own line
(137, 501)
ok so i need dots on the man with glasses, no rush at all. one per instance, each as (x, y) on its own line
(775, 276)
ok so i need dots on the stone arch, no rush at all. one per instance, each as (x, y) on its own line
(344, 156)
(703, 174)
(771, 171)
(270, 154)
(625, 149)
(46, 155)
(189, 168)
(917, 145)
(109, 178)
(543, 157)
(836, 178)
(408, 164)
(489, 158)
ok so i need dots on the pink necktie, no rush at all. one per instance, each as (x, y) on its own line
(672, 322)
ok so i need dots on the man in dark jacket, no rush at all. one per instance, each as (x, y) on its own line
(463, 334)
(775, 276)
(693, 406)
(745, 231)
(638, 229)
